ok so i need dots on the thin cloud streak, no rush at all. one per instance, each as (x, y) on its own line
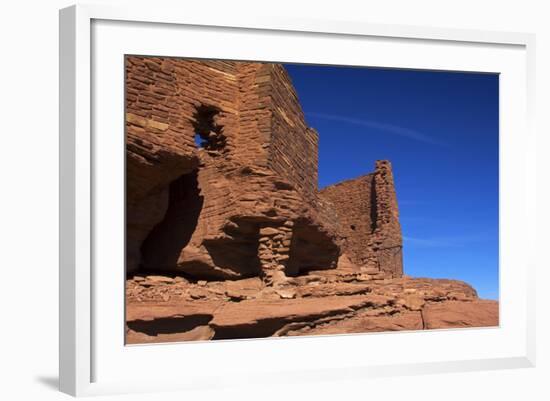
(449, 242)
(389, 128)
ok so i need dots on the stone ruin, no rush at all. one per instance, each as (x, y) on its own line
(222, 179)
(227, 233)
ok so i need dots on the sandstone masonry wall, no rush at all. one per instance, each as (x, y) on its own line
(352, 201)
(387, 240)
(244, 201)
(161, 123)
(369, 219)
(254, 131)
(202, 209)
(294, 146)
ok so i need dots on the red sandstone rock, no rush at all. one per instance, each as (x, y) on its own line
(248, 309)
(452, 314)
(364, 324)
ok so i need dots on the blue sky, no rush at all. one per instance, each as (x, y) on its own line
(440, 132)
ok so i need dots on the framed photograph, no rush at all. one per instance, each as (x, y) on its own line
(357, 199)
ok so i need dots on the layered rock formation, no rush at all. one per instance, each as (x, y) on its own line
(228, 235)
(335, 301)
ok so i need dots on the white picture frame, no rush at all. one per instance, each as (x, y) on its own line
(81, 345)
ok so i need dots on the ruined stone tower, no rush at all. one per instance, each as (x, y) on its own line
(369, 220)
(222, 179)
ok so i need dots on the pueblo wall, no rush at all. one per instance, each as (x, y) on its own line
(161, 122)
(369, 219)
(238, 205)
(244, 202)
(352, 202)
(294, 146)
(387, 240)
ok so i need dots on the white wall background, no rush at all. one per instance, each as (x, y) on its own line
(29, 197)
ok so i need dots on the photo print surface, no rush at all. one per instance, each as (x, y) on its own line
(270, 200)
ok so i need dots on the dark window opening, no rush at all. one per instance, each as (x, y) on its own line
(352, 227)
(208, 133)
(198, 141)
